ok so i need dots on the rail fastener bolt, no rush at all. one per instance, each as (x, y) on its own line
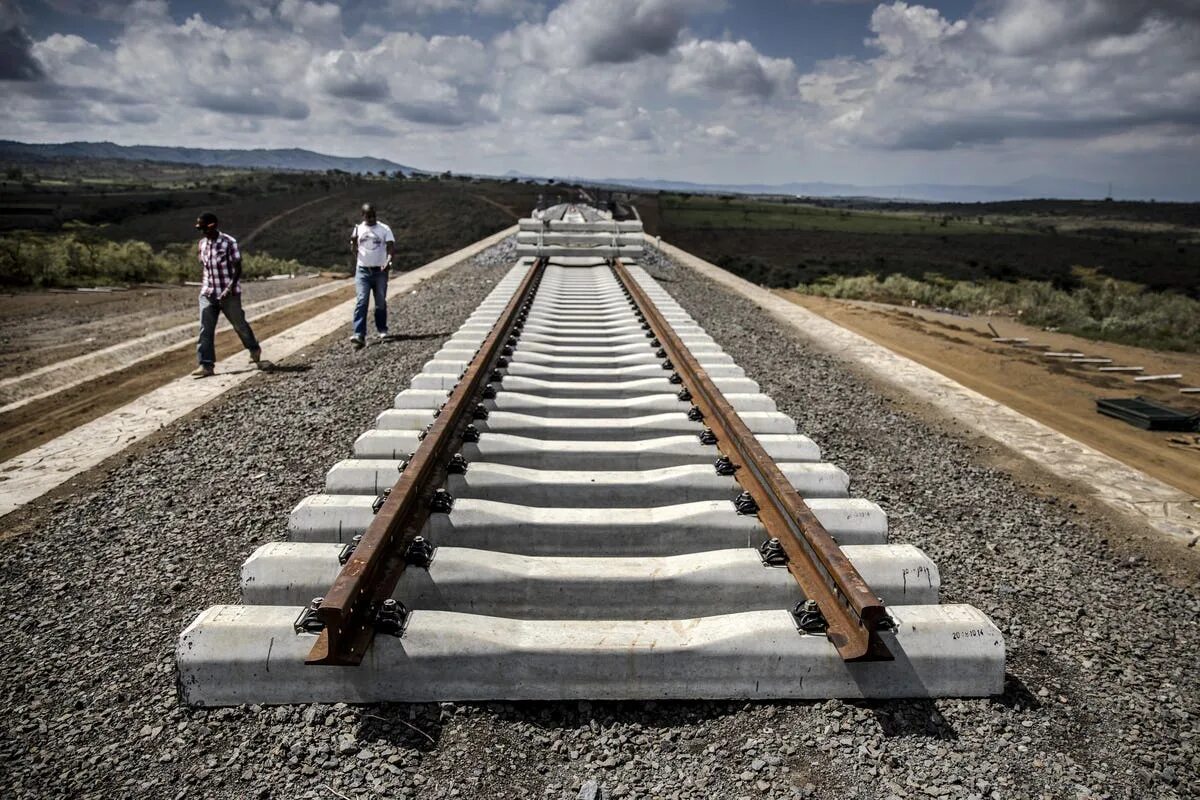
(391, 618)
(745, 504)
(419, 553)
(772, 553)
(308, 621)
(809, 618)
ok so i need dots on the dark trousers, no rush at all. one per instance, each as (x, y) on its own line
(210, 310)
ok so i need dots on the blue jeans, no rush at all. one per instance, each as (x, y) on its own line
(210, 310)
(368, 281)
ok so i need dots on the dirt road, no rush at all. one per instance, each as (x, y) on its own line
(36, 423)
(41, 328)
(1058, 394)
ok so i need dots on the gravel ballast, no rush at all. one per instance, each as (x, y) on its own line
(1100, 701)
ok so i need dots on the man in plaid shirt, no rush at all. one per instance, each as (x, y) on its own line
(220, 292)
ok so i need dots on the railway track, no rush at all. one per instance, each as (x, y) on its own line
(581, 496)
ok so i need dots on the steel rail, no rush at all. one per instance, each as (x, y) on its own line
(852, 613)
(350, 607)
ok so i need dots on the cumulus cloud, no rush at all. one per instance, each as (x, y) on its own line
(613, 81)
(1030, 26)
(252, 102)
(17, 62)
(109, 10)
(604, 31)
(16, 57)
(563, 92)
(305, 16)
(1033, 69)
(712, 66)
(517, 9)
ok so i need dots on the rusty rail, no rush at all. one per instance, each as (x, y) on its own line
(350, 607)
(851, 611)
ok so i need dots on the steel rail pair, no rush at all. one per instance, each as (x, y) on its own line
(357, 603)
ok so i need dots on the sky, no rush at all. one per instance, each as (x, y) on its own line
(711, 91)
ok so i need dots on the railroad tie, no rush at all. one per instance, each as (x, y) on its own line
(581, 496)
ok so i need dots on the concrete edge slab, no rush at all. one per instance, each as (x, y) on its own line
(37, 471)
(506, 584)
(1135, 494)
(232, 655)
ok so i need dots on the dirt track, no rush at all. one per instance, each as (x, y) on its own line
(36, 423)
(40, 328)
(1051, 391)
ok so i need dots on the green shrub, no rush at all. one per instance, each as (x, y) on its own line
(77, 258)
(1100, 308)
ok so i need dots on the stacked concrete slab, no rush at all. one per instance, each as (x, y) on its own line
(592, 550)
(570, 230)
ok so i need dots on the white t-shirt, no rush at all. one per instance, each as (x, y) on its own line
(372, 243)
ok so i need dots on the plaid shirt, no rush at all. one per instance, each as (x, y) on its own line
(217, 258)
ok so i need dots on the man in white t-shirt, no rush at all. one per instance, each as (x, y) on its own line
(373, 246)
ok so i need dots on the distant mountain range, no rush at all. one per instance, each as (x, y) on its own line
(285, 159)
(1037, 187)
(309, 161)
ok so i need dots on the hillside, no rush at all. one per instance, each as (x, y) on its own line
(291, 158)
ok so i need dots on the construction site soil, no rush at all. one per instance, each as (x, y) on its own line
(1100, 701)
(1054, 391)
(38, 328)
(27, 426)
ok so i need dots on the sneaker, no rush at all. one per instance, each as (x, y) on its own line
(381, 335)
(203, 371)
(357, 341)
(256, 355)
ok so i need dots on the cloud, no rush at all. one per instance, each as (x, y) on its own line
(442, 80)
(712, 66)
(1031, 26)
(304, 16)
(138, 115)
(16, 57)
(17, 61)
(251, 102)
(1034, 69)
(622, 86)
(111, 11)
(719, 135)
(516, 9)
(344, 74)
(604, 31)
(563, 92)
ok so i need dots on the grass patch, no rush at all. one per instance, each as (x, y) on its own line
(1097, 308)
(79, 258)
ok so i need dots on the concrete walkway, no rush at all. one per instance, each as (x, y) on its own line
(44, 468)
(1141, 497)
